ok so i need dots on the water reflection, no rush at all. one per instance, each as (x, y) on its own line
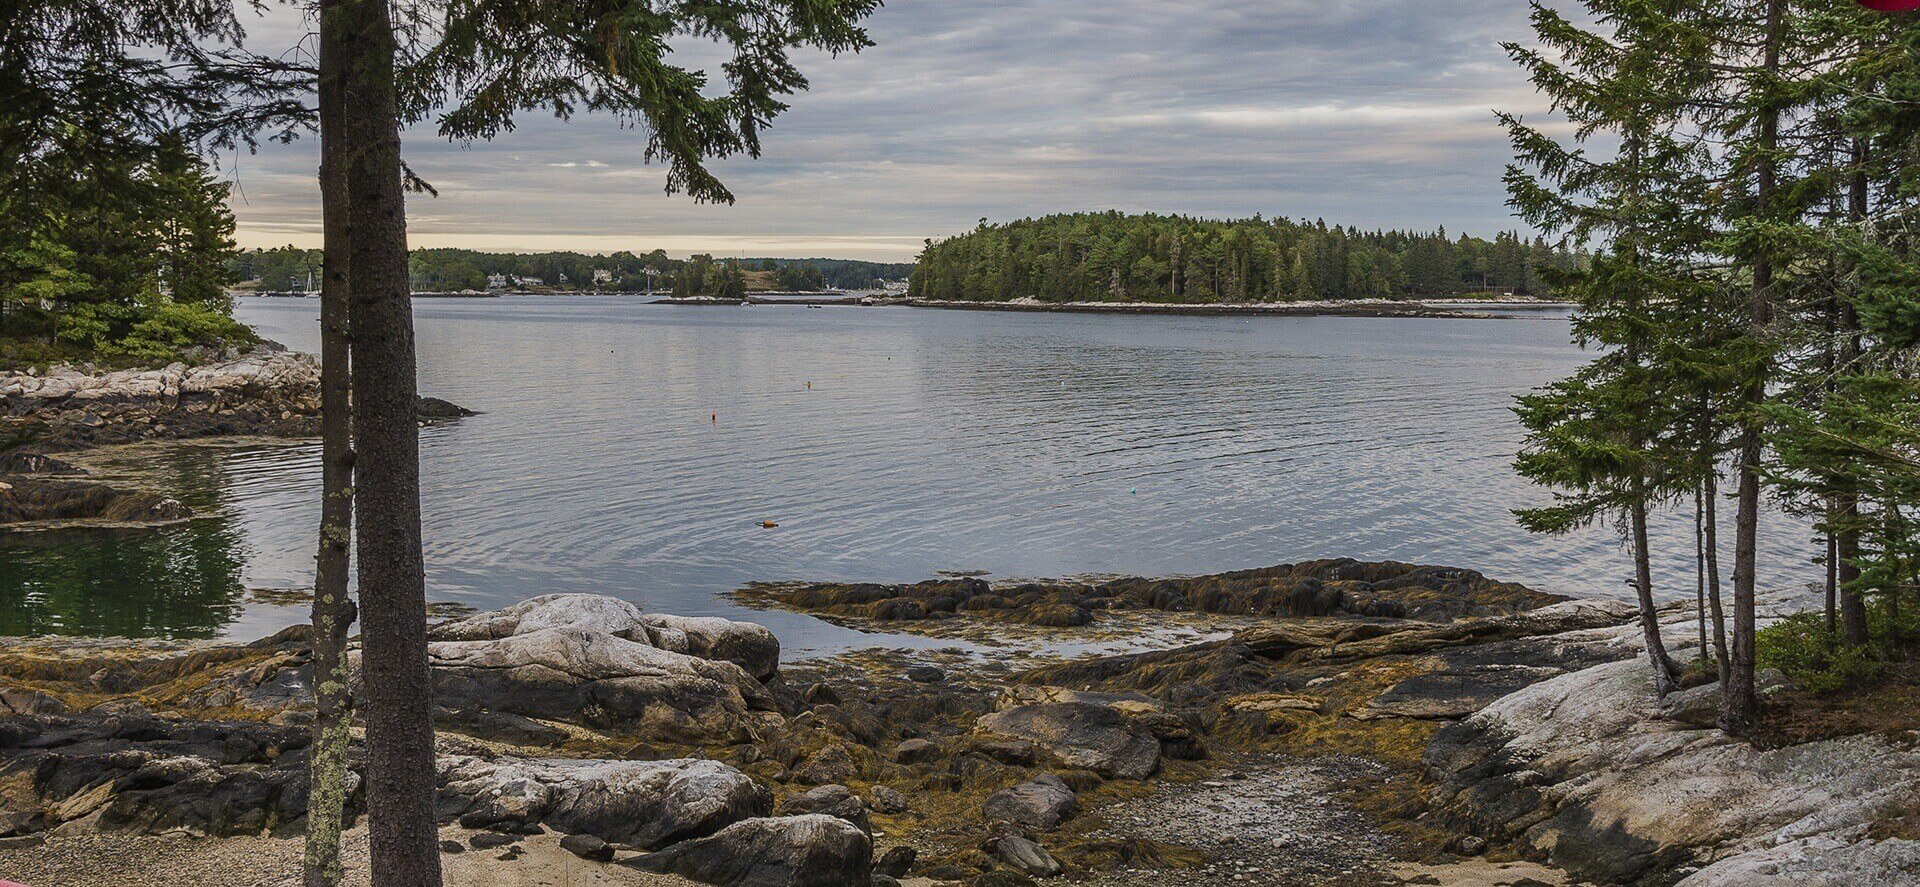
(171, 582)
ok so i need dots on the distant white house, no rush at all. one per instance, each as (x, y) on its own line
(496, 281)
(529, 281)
(602, 275)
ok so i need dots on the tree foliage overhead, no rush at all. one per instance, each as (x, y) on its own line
(1118, 257)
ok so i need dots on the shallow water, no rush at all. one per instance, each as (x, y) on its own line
(635, 449)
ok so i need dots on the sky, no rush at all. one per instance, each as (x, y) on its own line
(1376, 113)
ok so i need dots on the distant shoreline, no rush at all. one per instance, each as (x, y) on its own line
(1450, 307)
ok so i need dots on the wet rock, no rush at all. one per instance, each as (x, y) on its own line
(1081, 734)
(125, 770)
(642, 803)
(832, 800)
(794, 851)
(1313, 588)
(451, 847)
(21, 462)
(1042, 803)
(1002, 879)
(490, 840)
(433, 409)
(587, 847)
(24, 499)
(1025, 856)
(896, 862)
(925, 674)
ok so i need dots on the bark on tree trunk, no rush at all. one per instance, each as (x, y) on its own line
(1711, 497)
(333, 611)
(400, 765)
(1664, 681)
(1741, 713)
(1853, 607)
(1700, 572)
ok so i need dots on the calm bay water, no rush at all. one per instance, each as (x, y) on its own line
(634, 450)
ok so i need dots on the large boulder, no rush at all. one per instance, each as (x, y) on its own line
(603, 680)
(1816, 862)
(1081, 734)
(815, 850)
(745, 644)
(833, 800)
(1040, 803)
(118, 768)
(645, 804)
(1581, 770)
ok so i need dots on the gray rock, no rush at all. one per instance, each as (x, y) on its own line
(914, 751)
(1040, 803)
(896, 862)
(750, 646)
(793, 851)
(490, 840)
(883, 799)
(1816, 862)
(601, 679)
(647, 804)
(587, 847)
(1025, 856)
(925, 674)
(1580, 771)
(833, 800)
(1083, 735)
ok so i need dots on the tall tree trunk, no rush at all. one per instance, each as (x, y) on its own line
(1741, 712)
(1710, 496)
(400, 765)
(1663, 670)
(333, 611)
(1700, 572)
(1853, 607)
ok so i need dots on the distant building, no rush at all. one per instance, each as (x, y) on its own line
(529, 281)
(601, 276)
(496, 281)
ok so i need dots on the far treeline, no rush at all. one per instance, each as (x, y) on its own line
(292, 269)
(1121, 257)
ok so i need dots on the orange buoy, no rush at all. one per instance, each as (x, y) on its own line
(768, 524)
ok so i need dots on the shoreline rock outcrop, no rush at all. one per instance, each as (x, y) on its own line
(1583, 771)
(1311, 589)
(270, 393)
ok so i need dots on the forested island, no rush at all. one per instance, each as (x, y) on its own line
(439, 270)
(1120, 257)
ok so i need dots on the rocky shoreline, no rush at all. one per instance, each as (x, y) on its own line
(1323, 747)
(67, 410)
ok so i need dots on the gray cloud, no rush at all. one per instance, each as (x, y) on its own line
(1367, 112)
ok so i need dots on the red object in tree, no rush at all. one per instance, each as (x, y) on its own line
(1891, 5)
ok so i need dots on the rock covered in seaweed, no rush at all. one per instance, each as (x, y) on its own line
(1340, 586)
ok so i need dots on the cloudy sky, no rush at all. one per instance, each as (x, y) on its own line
(1366, 112)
